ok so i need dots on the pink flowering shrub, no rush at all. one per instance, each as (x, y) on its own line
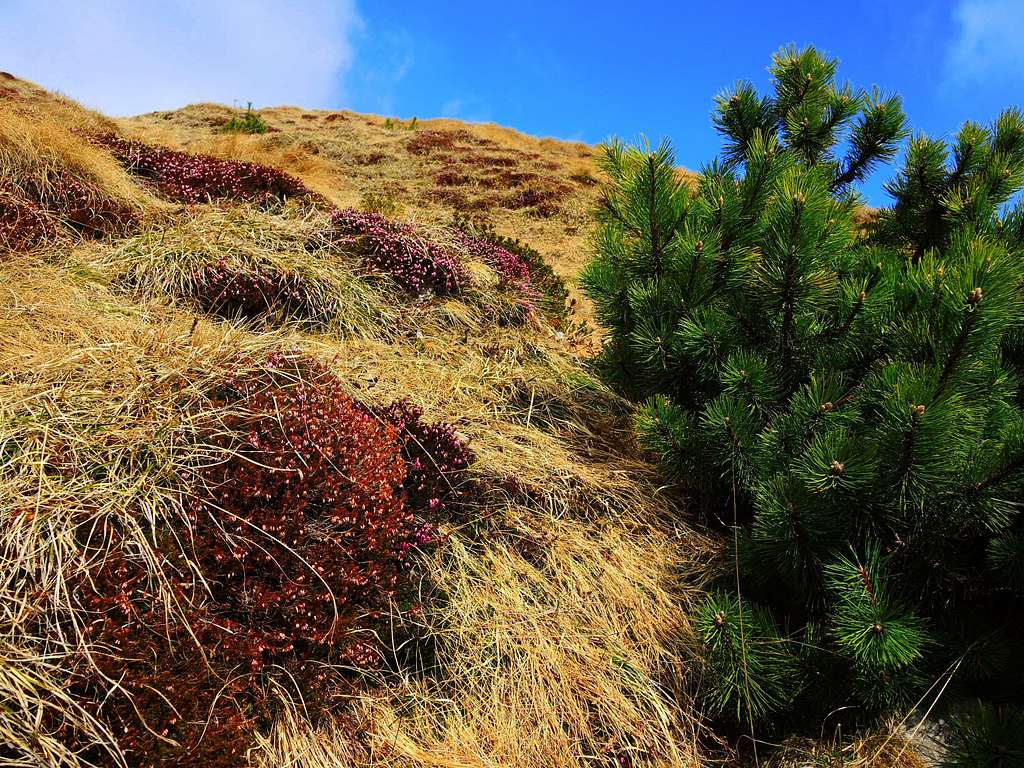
(521, 266)
(396, 249)
(34, 213)
(253, 295)
(436, 459)
(511, 268)
(201, 178)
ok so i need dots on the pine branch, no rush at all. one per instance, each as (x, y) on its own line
(956, 353)
(652, 212)
(720, 265)
(852, 171)
(836, 333)
(698, 249)
(788, 298)
(910, 439)
(612, 210)
(1001, 474)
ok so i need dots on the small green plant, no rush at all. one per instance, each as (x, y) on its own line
(755, 672)
(382, 203)
(397, 125)
(250, 122)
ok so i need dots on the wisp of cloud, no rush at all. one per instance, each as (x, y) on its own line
(130, 57)
(988, 47)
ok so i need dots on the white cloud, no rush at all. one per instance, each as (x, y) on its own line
(469, 110)
(451, 108)
(988, 49)
(125, 57)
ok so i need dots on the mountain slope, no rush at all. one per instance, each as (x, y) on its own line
(541, 191)
(543, 620)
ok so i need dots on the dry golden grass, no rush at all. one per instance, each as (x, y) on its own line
(557, 642)
(34, 150)
(45, 135)
(294, 743)
(879, 749)
(162, 260)
(53, 181)
(88, 369)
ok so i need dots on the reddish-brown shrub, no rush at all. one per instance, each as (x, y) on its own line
(489, 161)
(541, 200)
(256, 295)
(436, 459)
(172, 703)
(310, 499)
(34, 213)
(448, 196)
(450, 177)
(514, 179)
(528, 197)
(483, 204)
(373, 158)
(418, 265)
(201, 178)
(520, 266)
(23, 223)
(83, 208)
(427, 142)
(301, 534)
(544, 210)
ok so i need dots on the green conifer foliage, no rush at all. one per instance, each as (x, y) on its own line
(849, 396)
(756, 672)
(989, 737)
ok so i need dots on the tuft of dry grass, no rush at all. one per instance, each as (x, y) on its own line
(32, 677)
(878, 749)
(162, 262)
(553, 642)
(294, 742)
(50, 164)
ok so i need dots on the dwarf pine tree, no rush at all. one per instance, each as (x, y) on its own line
(842, 386)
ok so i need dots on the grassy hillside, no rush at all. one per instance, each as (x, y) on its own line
(542, 620)
(512, 643)
(541, 191)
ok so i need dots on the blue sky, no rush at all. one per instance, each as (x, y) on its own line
(578, 70)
